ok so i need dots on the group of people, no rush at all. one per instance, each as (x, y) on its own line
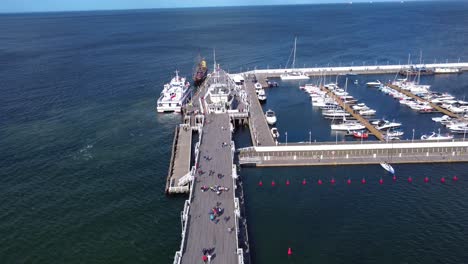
(215, 212)
(207, 254)
(216, 188)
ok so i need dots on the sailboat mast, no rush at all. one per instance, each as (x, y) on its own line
(294, 52)
(214, 59)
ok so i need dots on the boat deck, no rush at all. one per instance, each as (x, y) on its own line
(180, 159)
(259, 129)
(201, 232)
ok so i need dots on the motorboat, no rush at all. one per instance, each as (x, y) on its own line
(360, 106)
(294, 75)
(337, 114)
(373, 84)
(348, 126)
(387, 167)
(258, 87)
(270, 117)
(460, 129)
(385, 124)
(445, 70)
(395, 133)
(360, 134)
(275, 133)
(435, 136)
(262, 96)
(174, 95)
(367, 112)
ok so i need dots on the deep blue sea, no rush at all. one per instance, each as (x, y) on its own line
(84, 155)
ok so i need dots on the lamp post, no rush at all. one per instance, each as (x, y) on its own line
(286, 134)
(310, 137)
(412, 139)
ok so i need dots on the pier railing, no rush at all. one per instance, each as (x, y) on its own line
(422, 151)
(357, 69)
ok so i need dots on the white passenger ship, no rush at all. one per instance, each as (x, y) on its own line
(174, 95)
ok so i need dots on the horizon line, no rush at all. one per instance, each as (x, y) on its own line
(228, 6)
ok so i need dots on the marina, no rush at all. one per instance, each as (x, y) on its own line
(212, 179)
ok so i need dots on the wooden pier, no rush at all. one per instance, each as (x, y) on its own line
(259, 130)
(354, 154)
(201, 232)
(180, 160)
(410, 94)
(357, 116)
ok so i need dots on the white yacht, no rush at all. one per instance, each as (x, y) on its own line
(435, 136)
(262, 96)
(459, 129)
(447, 70)
(270, 117)
(395, 133)
(374, 84)
(275, 133)
(385, 124)
(348, 126)
(294, 75)
(258, 87)
(360, 106)
(335, 114)
(367, 112)
(174, 95)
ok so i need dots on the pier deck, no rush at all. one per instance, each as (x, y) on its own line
(201, 232)
(358, 117)
(365, 69)
(410, 94)
(259, 129)
(355, 153)
(180, 159)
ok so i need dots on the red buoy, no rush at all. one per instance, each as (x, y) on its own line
(304, 182)
(333, 181)
(260, 183)
(426, 179)
(273, 183)
(442, 180)
(287, 182)
(289, 252)
(455, 178)
(319, 182)
(363, 181)
(381, 181)
(394, 177)
(348, 181)
(410, 179)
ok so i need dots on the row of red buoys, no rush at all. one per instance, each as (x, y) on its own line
(363, 181)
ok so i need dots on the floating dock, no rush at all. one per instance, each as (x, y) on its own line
(179, 168)
(436, 107)
(358, 117)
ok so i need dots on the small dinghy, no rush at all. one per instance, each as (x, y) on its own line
(387, 167)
